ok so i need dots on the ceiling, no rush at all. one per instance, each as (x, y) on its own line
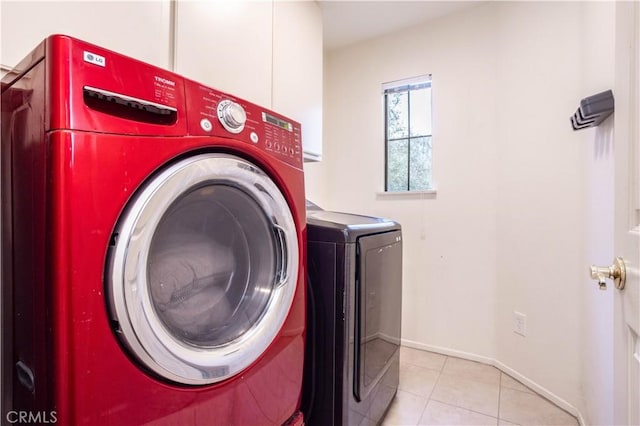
(348, 22)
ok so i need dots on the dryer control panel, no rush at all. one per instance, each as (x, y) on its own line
(214, 113)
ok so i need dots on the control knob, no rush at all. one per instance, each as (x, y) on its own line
(232, 116)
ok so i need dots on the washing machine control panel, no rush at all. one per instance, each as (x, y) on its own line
(214, 113)
(232, 116)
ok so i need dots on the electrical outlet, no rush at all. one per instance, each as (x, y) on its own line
(519, 323)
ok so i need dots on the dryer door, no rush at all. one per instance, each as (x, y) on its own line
(203, 269)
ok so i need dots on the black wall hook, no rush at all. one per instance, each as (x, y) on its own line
(593, 110)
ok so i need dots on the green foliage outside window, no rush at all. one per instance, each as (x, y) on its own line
(408, 136)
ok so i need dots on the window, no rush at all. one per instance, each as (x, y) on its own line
(407, 106)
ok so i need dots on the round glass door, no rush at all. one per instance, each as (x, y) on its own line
(204, 268)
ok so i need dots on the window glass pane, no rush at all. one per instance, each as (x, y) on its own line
(420, 163)
(211, 265)
(397, 165)
(397, 115)
(420, 112)
(408, 134)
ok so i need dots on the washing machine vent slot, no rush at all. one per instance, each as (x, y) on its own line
(129, 108)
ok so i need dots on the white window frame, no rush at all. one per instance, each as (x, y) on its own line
(386, 89)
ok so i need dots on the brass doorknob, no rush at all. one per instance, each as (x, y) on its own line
(617, 272)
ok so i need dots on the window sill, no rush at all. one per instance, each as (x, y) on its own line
(431, 193)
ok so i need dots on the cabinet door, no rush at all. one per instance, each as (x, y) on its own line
(138, 29)
(227, 45)
(297, 69)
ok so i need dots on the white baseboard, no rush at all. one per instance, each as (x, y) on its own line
(541, 390)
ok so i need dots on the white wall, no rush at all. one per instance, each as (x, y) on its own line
(540, 193)
(449, 240)
(516, 217)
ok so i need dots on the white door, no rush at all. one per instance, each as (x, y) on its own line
(627, 214)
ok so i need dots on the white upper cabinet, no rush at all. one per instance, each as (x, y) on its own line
(297, 69)
(137, 29)
(267, 52)
(227, 45)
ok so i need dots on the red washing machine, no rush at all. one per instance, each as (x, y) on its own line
(153, 247)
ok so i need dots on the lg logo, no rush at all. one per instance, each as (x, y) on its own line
(26, 417)
(94, 59)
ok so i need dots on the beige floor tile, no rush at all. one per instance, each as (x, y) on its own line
(405, 409)
(420, 358)
(461, 392)
(529, 409)
(417, 380)
(472, 370)
(465, 393)
(507, 381)
(438, 413)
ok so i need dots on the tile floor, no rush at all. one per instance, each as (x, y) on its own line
(440, 390)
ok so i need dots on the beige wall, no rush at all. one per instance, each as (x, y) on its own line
(515, 219)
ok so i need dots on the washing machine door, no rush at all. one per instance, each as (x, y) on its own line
(202, 269)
